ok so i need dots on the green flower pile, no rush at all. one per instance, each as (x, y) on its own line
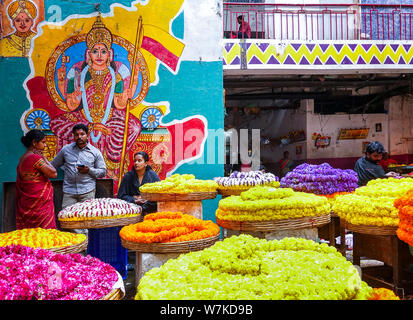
(245, 267)
(269, 203)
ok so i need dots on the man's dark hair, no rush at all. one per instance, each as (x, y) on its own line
(375, 146)
(33, 135)
(80, 126)
(240, 17)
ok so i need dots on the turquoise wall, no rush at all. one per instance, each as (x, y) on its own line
(197, 89)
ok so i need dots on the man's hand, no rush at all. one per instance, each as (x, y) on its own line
(83, 170)
(392, 174)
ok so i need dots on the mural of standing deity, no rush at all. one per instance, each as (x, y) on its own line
(97, 69)
(96, 91)
(22, 15)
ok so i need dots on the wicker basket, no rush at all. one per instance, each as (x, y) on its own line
(76, 248)
(116, 293)
(374, 230)
(99, 223)
(276, 225)
(192, 196)
(170, 247)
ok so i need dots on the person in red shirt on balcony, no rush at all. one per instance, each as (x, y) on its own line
(244, 31)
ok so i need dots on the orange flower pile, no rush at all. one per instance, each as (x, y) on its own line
(405, 206)
(161, 227)
(333, 195)
(383, 294)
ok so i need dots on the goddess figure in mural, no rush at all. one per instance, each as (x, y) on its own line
(22, 14)
(96, 92)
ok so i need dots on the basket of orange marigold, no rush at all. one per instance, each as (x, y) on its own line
(169, 232)
(405, 227)
(383, 294)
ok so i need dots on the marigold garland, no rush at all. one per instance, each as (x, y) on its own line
(383, 294)
(177, 183)
(405, 206)
(373, 204)
(41, 238)
(162, 227)
(263, 203)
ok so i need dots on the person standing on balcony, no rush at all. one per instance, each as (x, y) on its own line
(244, 31)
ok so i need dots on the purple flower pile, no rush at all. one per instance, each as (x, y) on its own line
(320, 179)
(39, 274)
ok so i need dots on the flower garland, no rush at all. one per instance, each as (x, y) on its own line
(268, 203)
(320, 179)
(383, 294)
(39, 274)
(99, 208)
(247, 268)
(373, 204)
(246, 180)
(162, 227)
(405, 207)
(41, 238)
(185, 183)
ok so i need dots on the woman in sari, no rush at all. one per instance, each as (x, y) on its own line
(34, 191)
(140, 174)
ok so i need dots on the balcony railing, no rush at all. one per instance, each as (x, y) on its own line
(311, 22)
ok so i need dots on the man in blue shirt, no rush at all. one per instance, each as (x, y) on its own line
(368, 168)
(82, 164)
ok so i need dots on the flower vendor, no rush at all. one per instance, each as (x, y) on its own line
(368, 168)
(34, 191)
(140, 174)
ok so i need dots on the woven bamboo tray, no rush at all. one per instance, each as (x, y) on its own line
(170, 247)
(192, 196)
(115, 294)
(99, 223)
(76, 248)
(374, 230)
(276, 225)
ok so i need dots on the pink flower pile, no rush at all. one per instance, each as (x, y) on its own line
(39, 274)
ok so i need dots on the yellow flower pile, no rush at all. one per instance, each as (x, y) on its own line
(373, 204)
(41, 238)
(269, 203)
(180, 183)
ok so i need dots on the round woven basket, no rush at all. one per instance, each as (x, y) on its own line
(192, 196)
(276, 225)
(76, 248)
(115, 294)
(170, 247)
(99, 223)
(374, 230)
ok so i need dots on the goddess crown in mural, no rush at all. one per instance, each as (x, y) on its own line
(95, 91)
(22, 14)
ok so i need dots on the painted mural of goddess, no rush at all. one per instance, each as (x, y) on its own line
(96, 92)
